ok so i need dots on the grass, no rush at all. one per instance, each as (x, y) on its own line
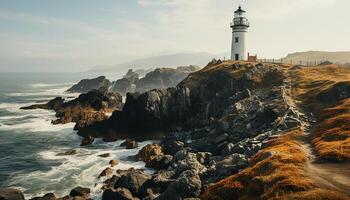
(331, 135)
(228, 68)
(278, 170)
(275, 172)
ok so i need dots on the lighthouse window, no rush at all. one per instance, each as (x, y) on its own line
(236, 39)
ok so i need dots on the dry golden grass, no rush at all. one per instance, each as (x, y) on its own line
(331, 136)
(311, 81)
(276, 172)
(227, 68)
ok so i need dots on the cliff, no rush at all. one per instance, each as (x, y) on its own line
(159, 78)
(87, 85)
(240, 130)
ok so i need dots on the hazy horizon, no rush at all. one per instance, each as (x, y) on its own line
(77, 35)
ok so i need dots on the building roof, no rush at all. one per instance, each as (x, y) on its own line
(239, 10)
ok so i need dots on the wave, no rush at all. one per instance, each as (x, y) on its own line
(81, 169)
(47, 92)
(45, 85)
(41, 123)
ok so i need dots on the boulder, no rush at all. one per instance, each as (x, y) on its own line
(171, 146)
(132, 180)
(106, 172)
(87, 141)
(188, 161)
(68, 153)
(117, 194)
(109, 183)
(149, 153)
(113, 163)
(11, 194)
(105, 155)
(188, 185)
(129, 144)
(80, 192)
(49, 196)
(160, 162)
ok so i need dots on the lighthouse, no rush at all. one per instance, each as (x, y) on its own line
(239, 25)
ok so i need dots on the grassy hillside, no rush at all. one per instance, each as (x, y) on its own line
(324, 90)
(281, 170)
(336, 57)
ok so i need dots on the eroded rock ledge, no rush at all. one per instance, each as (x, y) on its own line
(86, 109)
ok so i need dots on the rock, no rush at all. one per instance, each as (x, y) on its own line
(109, 183)
(159, 78)
(171, 146)
(203, 157)
(53, 104)
(228, 149)
(68, 153)
(188, 162)
(129, 144)
(117, 194)
(68, 198)
(160, 162)
(85, 110)
(49, 196)
(186, 186)
(105, 155)
(11, 194)
(106, 172)
(221, 138)
(80, 192)
(87, 141)
(132, 180)
(87, 85)
(113, 163)
(149, 153)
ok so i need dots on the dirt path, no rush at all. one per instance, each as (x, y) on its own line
(327, 175)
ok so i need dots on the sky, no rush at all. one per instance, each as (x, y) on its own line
(76, 35)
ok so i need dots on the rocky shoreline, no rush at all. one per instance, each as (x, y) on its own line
(215, 121)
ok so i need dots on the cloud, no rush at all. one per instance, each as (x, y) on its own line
(279, 9)
(51, 22)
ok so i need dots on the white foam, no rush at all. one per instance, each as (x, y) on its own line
(44, 85)
(40, 122)
(81, 169)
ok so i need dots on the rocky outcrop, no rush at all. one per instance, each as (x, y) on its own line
(160, 78)
(53, 104)
(127, 84)
(11, 194)
(80, 192)
(119, 193)
(199, 100)
(84, 110)
(218, 118)
(87, 85)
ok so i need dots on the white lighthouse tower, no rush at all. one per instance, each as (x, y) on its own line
(239, 27)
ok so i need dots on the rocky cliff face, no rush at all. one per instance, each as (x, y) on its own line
(201, 99)
(160, 78)
(86, 85)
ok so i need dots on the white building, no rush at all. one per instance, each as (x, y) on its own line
(239, 27)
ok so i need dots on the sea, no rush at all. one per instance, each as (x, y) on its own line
(29, 143)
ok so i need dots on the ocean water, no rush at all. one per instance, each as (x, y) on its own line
(29, 143)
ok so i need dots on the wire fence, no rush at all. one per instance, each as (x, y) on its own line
(293, 62)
